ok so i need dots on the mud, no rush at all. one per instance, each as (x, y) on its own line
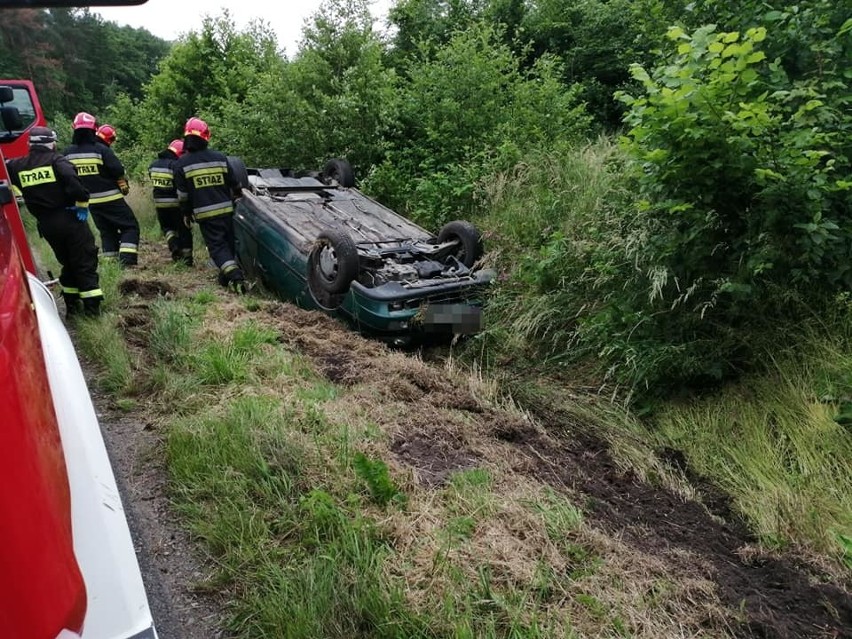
(776, 597)
(146, 289)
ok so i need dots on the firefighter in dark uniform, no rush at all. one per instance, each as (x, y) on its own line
(206, 189)
(103, 175)
(55, 195)
(178, 235)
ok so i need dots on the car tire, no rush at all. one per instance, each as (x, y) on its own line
(340, 171)
(239, 171)
(333, 262)
(468, 238)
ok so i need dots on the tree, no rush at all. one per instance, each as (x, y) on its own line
(76, 60)
(331, 100)
(204, 73)
(469, 110)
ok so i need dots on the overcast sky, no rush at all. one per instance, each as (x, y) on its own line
(168, 19)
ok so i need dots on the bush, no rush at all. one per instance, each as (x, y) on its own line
(739, 226)
(466, 114)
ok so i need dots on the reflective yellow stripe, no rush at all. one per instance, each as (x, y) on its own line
(70, 290)
(105, 198)
(213, 170)
(34, 177)
(93, 293)
(214, 212)
(127, 249)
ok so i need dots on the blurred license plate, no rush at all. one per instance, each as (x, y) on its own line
(461, 318)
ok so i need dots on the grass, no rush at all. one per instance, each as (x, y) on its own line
(773, 443)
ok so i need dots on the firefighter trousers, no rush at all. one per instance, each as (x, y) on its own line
(218, 234)
(73, 244)
(178, 235)
(119, 230)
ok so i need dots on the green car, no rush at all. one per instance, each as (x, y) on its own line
(318, 241)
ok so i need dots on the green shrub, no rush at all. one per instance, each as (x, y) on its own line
(466, 113)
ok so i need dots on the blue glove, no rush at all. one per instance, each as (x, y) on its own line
(81, 210)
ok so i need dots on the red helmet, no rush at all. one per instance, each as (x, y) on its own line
(176, 147)
(106, 132)
(197, 126)
(84, 120)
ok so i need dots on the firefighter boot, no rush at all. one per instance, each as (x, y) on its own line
(72, 304)
(92, 306)
(174, 248)
(237, 285)
(127, 259)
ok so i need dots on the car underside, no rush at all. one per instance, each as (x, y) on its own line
(318, 241)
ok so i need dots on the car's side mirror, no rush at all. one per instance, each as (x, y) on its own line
(6, 94)
(6, 195)
(11, 118)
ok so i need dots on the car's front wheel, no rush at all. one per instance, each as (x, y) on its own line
(332, 263)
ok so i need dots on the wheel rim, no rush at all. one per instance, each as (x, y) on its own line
(328, 265)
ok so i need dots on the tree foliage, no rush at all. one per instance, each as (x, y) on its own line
(204, 73)
(742, 221)
(470, 110)
(332, 100)
(76, 60)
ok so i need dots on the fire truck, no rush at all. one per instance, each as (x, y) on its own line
(68, 568)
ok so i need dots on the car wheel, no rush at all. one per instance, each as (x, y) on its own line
(333, 262)
(340, 171)
(239, 171)
(468, 241)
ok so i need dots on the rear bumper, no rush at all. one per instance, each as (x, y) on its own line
(117, 602)
(443, 310)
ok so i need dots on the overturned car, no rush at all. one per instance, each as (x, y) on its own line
(318, 241)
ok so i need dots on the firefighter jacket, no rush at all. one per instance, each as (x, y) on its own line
(99, 169)
(161, 172)
(205, 184)
(48, 181)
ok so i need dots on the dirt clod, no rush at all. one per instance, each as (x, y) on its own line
(146, 289)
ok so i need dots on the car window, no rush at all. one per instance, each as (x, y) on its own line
(24, 103)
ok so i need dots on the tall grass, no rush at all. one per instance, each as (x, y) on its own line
(773, 441)
(307, 562)
(555, 224)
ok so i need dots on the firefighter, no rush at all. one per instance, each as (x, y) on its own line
(55, 195)
(206, 189)
(178, 235)
(103, 175)
(106, 134)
